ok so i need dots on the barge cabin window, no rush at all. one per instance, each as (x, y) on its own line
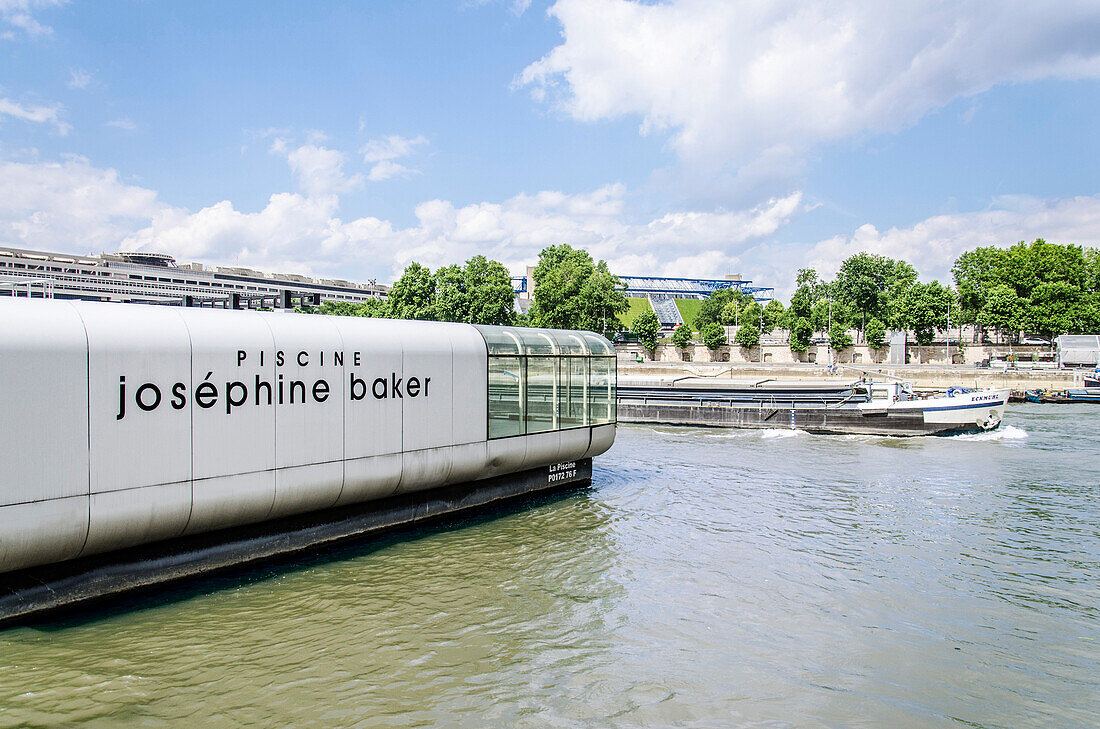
(548, 379)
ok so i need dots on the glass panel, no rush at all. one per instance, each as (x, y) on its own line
(538, 341)
(505, 401)
(542, 386)
(613, 364)
(570, 342)
(571, 394)
(501, 340)
(599, 391)
(597, 345)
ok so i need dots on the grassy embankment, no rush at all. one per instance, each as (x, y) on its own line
(689, 309)
(637, 306)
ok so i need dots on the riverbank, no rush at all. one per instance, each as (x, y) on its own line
(923, 377)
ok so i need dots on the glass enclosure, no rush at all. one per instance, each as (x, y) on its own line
(548, 379)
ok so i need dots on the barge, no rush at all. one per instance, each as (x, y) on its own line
(837, 407)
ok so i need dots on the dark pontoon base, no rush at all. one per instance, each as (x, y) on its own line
(839, 421)
(37, 590)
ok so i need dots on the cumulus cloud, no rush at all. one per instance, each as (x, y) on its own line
(758, 78)
(69, 206)
(383, 150)
(35, 113)
(932, 245)
(319, 170)
(123, 123)
(18, 15)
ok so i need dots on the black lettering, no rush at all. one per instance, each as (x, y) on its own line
(374, 388)
(147, 387)
(121, 398)
(260, 384)
(395, 384)
(320, 390)
(303, 355)
(426, 381)
(412, 387)
(357, 387)
(179, 400)
(234, 402)
(338, 359)
(279, 358)
(322, 358)
(261, 358)
(280, 389)
(355, 359)
(206, 394)
(241, 355)
(301, 388)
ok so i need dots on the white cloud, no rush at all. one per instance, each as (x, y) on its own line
(386, 169)
(35, 113)
(123, 123)
(320, 171)
(78, 79)
(932, 245)
(69, 206)
(383, 150)
(741, 81)
(392, 147)
(18, 15)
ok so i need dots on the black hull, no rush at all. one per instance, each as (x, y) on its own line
(838, 421)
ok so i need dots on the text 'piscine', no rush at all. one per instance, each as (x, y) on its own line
(265, 391)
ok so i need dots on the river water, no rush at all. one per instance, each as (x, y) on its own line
(707, 578)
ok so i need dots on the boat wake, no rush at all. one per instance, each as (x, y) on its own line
(1008, 432)
(781, 433)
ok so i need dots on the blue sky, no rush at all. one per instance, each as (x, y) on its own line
(690, 137)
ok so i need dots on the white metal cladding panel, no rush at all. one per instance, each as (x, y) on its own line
(470, 377)
(309, 435)
(373, 477)
(425, 469)
(41, 532)
(542, 449)
(234, 438)
(426, 421)
(574, 444)
(505, 455)
(468, 462)
(372, 356)
(603, 437)
(142, 456)
(44, 402)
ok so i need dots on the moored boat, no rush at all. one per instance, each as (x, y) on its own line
(852, 406)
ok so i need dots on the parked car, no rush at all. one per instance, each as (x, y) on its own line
(1035, 340)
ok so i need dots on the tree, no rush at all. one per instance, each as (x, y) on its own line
(489, 294)
(867, 282)
(412, 295)
(714, 336)
(875, 334)
(715, 305)
(728, 315)
(1054, 309)
(573, 292)
(923, 309)
(752, 314)
(801, 334)
(646, 327)
(452, 300)
(681, 336)
(748, 335)
(773, 315)
(1001, 309)
(839, 338)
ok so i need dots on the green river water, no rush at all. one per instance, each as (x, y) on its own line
(708, 578)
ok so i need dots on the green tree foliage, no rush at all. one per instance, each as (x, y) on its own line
(573, 292)
(748, 335)
(646, 327)
(715, 305)
(412, 295)
(923, 308)
(728, 315)
(867, 282)
(1054, 288)
(714, 336)
(801, 334)
(752, 314)
(839, 338)
(681, 336)
(875, 334)
(489, 294)
(774, 313)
